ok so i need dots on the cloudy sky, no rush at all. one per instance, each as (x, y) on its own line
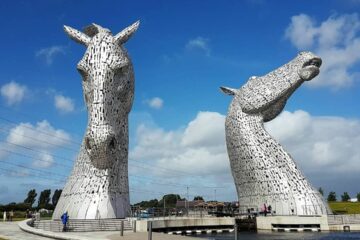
(182, 52)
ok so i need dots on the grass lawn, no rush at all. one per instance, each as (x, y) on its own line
(345, 207)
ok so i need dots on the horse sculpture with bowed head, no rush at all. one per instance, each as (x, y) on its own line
(98, 186)
(264, 173)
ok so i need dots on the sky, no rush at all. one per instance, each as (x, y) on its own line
(182, 53)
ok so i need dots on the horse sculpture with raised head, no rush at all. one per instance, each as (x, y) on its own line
(264, 173)
(98, 186)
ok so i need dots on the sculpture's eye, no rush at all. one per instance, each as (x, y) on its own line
(119, 70)
(83, 73)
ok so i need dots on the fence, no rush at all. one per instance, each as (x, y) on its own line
(176, 213)
(344, 219)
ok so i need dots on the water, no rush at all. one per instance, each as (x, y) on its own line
(282, 236)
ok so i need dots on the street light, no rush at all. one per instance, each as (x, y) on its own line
(164, 204)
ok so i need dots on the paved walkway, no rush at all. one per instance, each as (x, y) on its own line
(11, 231)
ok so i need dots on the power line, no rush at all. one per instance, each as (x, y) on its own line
(130, 175)
(33, 169)
(34, 150)
(149, 165)
(38, 159)
(14, 110)
(175, 184)
(43, 132)
(38, 140)
(29, 174)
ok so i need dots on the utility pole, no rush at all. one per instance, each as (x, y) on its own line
(215, 194)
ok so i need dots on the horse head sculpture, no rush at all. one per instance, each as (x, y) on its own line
(108, 85)
(262, 170)
(98, 187)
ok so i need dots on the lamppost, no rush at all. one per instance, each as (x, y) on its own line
(164, 205)
(186, 203)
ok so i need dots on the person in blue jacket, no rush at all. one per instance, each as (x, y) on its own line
(64, 220)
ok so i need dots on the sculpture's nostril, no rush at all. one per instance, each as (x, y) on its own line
(112, 143)
(87, 143)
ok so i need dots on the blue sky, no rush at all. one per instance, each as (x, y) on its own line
(182, 52)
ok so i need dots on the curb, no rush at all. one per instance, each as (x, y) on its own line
(23, 225)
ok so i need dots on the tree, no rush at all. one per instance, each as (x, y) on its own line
(170, 200)
(321, 191)
(198, 198)
(31, 196)
(55, 197)
(345, 197)
(44, 199)
(148, 204)
(331, 197)
(358, 197)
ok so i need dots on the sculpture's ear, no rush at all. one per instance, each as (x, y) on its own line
(125, 34)
(228, 91)
(77, 36)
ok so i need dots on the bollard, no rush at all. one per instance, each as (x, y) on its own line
(122, 228)
(134, 226)
(150, 230)
(236, 230)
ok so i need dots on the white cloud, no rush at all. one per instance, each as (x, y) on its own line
(199, 43)
(43, 160)
(13, 92)
(155, 103)
(39, 136)
(64, 104)
(336, 40)
(323, 147)
(48, 54)
(199, 148)
(180, 150)
(42, 137)
(195, 155)
(319, 143)
(20, 173)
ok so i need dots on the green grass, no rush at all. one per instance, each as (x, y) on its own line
(345, 207)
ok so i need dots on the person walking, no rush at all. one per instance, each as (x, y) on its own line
(269, 209)
(11, 215)
(64, 220)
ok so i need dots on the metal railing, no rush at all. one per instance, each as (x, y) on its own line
(173, 213)
(344, 219)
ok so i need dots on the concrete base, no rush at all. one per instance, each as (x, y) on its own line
(292, 222)
(345, 227)
(141, 225)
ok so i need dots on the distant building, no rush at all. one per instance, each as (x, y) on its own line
(353, 200)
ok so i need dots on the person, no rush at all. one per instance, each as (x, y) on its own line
(64, 220)
(269, 209)
(265, 210)
(4, 216)
(11, 215)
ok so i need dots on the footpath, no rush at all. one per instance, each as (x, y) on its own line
(11, 231)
